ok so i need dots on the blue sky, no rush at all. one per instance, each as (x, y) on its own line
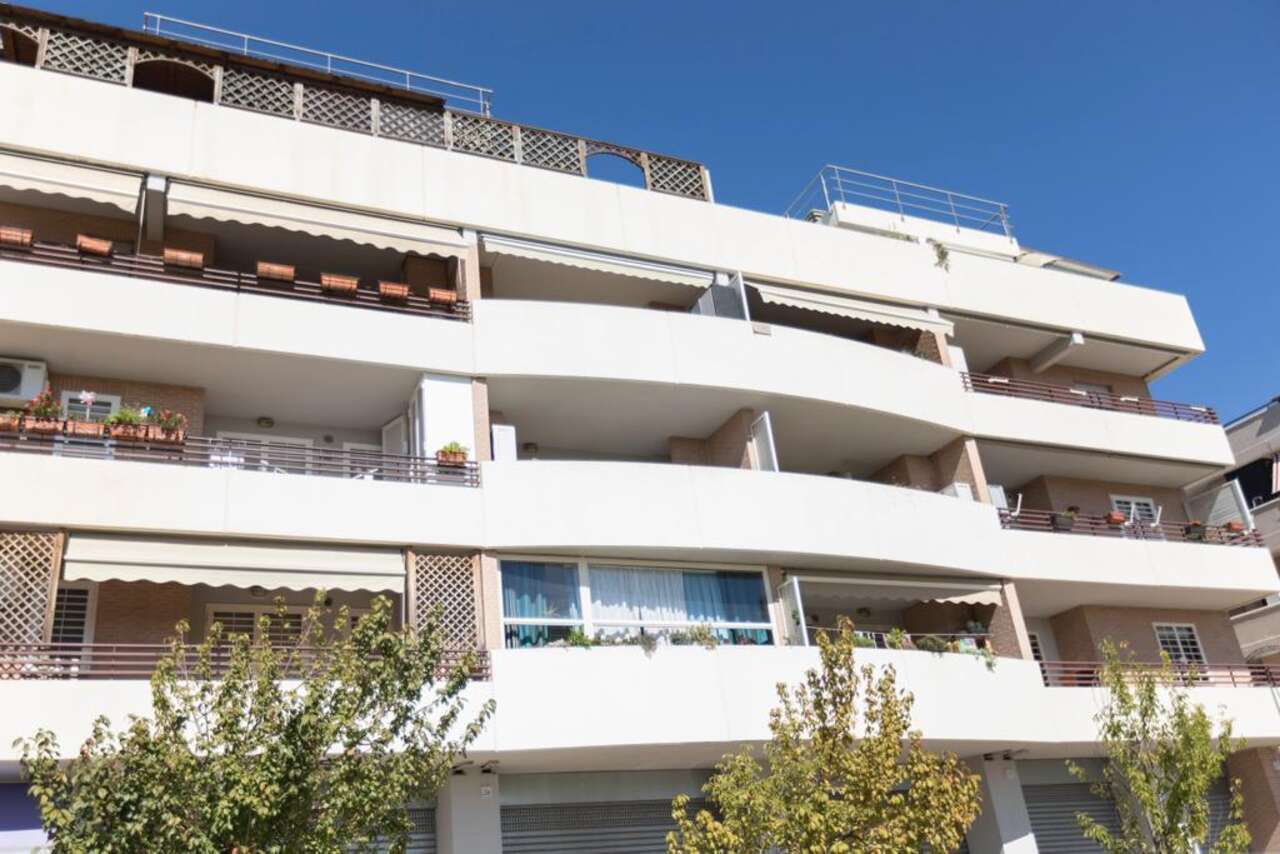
(1141, 136)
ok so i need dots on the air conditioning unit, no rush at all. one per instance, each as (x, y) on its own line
(20, 380)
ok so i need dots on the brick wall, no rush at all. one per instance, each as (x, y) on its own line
(1020, 369)
(1094, 496)
(957, 462)
(139, 611)
(188, 400)
(729, 446)
(1081, 631)
(1260, 782)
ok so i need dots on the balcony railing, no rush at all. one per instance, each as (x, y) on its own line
(1031, 390)
(1087, 674)
(924, 641)
(275, 457)
(1096, 525)
(138, 660)
(154, 268)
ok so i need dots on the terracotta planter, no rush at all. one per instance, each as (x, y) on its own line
(451, 458)
(1235, 526)
(10, 423)
(183, 258)
(393, 291)
(43, 426)
(1194, 531)
(275, 272)
(1115, 517)
(13, 236)
(128, 432)
(441, 296)
(85, 429)
(344, 286)
(165, 435)
(87, 245)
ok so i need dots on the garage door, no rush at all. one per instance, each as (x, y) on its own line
(616, 827)
(1053, 809)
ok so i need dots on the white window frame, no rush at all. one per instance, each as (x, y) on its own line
(589, 625)
(67, 396)
(1195, 634)
(1135, 500)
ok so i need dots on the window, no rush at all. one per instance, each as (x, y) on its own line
(102, 405)
(1180, 641)
(73, 615)
(544, 602)
(1135, 507)
(282, 629)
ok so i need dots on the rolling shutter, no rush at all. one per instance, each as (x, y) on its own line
(1219, 798)
(1052, 810)
(617, 827)
(70, 615)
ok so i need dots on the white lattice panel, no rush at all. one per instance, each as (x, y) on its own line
(550, 150)
(31, 31)
(26, 573)
(85, 55)
(676, 176)
(400, 121)
(448, 581)
(148, 55)
(257, 92)
(478, 135)
(596, 147)
(337, 109)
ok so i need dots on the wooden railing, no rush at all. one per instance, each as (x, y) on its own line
(1086, 674)
(138, 660)
(153, 267)
(1090, 524)
(1031, 390)
(276, 457)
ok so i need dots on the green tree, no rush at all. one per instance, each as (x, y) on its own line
(1162, 756)
(834, 780)
(316, 745)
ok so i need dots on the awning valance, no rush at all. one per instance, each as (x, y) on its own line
(402, 235)
(64, 178)
(901, 590)
(104, 557)
(874, 312)
(601, 262)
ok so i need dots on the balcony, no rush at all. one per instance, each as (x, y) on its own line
(1116, 525)
(1091, 399)
(1087, 674)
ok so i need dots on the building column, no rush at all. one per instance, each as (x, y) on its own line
(468, 816)
(1259, 773)
(1003, 826)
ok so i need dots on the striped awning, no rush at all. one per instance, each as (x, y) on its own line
(75, 180)
(107, 557)
(856, 309)
(600, 262)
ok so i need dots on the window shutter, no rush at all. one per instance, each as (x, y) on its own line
(1180, 642)
(1133, 507)
(70, 615)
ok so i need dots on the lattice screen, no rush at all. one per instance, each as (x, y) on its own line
(681, 177)
(31, 31)
(86, 55)
(596, 147)
(550, 150)
(450, 582)
(27, 565)
(478, 135)
(337, 109)
(149, 55)
(257, 92)
(414, 124)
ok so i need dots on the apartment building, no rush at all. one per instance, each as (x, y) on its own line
(877, 404)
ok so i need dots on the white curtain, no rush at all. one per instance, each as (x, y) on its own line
(637, 593)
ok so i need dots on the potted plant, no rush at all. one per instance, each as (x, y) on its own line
(1116, 518)
(344, 286)
(127, 424)
(167, 427)
(1065, 520)
(1234, 526)
(442, 296)
(84, 429)
(44, 414)
(183, 258)
(452, 454)
(897, 639)
(13, 236)
(275, 272)
(393, 291)
(10, 421)
(930, 643)
(1194, 531)
(87, 245)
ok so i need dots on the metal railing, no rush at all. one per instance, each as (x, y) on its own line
(154, 267)
(1032, 390)
(239, 454)
(1087, 674)
(1097, 525)
(888, 640)
(139, 660)
(850, 186)
(477, 99)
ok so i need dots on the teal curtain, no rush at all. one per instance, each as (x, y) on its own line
(538, 590)
(725, 597)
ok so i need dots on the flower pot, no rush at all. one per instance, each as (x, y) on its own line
(43, 426)
(183, 258)
(441, 296)
(344, 286)
(13, 236)
(128, 432)
(451, 458)
(10, 423)
(1115, 517)
(1194, 532)
(1235, 526)
(85, 429)
(393, 291)
(87, 245)
(166, 435)
(275, 272)
(1062, 521)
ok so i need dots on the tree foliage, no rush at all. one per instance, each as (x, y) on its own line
(316, 745)
(842, 773)
(1162, 757)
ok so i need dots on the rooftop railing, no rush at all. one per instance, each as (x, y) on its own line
(1031, 390)
(67, 439)
(1099, 525)
(1088, 674)
(835, 184)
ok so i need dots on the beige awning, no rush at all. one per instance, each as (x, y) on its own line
(64, 178)
(402, 235)
(104, 557)
(902, 590)
(874, 312)
(601, 262)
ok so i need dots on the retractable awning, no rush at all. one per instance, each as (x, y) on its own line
(856, 309)
(601, 262)
(402, 235)
(903, 590)
(75, 180)
(106, 557)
